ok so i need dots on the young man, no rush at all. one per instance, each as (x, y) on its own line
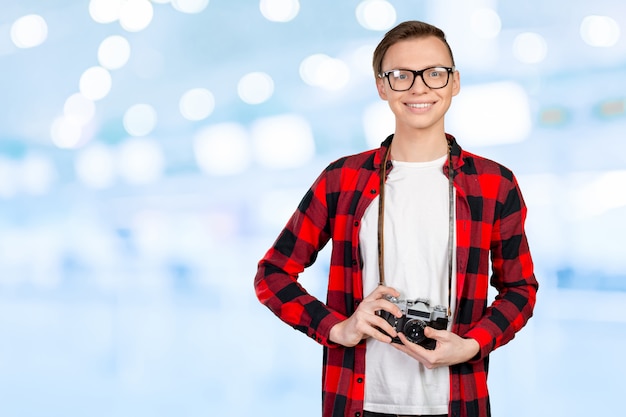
(427, 231)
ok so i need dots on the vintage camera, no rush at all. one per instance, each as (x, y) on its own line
(416, 315)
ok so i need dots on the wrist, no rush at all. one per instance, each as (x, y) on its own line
(472, 349)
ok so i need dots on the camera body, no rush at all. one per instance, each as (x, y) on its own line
(416, 315)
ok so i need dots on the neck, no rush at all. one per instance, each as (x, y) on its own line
(418, 148)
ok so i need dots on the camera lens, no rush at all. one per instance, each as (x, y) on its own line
(414, 330)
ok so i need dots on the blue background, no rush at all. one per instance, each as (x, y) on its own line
(131, 294)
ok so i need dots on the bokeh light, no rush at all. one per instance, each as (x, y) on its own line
(136, 15)
(79, 108)
(29, 31)
(95, 166)
(255, 88)
(378, 123)
(197, 104)
(114, 52)
(105, 11)
(320, 70)
(190, 6)
(38, 174)
(66, 132)
(486, 23)
(530, 48)
(223, 149)
(8, 176)
(140, 120)
(600, 31)
(376, 15)
(279, 10)
(283, 142)
(140, 161)
(95, 83)
(491, 114)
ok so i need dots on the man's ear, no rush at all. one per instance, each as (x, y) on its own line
(380, 86)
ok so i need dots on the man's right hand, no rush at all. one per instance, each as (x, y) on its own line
(364, 322)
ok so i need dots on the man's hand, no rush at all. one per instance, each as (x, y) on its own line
(364, 322)
(451, 349)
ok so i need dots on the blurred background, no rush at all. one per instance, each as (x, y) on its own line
(151, 151)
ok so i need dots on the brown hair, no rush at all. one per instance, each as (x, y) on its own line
(406, 30)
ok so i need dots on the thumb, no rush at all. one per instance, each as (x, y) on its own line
(432, 333)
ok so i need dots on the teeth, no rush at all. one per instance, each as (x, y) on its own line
(420, 105)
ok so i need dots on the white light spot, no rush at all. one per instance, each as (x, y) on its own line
(320, 70)
(66, 132)
(600, 31)
(378, 123)
(136, 15)
(486, 23)
(491, 114)
(530, 48)
(279, 10)
(95, 166)
(29, 31)
(95, 83)
(197, 104)
(255, 88)
(140, 161)
(190, 6)
(594, 195)
(376, 15)
(37, 174)
(222, 149)
(105, 11)
(79, 108)
(140, 120)
(283, 142)
(114, 52)
(361, 60)
(8, 178)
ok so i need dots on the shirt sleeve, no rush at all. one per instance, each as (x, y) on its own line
(276, 282)
(512, 275)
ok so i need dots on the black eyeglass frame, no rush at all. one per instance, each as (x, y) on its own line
(449, 70)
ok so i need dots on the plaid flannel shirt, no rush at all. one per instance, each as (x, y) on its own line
(490, 216)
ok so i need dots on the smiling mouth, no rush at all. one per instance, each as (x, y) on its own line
(419, 105)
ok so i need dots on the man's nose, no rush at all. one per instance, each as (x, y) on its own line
(419, 86)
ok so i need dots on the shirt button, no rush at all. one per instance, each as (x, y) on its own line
(373, 191)
(357, 414)
(356, 223)
(359, 380)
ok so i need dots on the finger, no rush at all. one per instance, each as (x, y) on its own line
(390, 307)
(384, 333)
(381, 291)
(434, 333)
(381, 325)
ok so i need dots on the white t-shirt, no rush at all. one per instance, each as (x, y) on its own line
(416, 227)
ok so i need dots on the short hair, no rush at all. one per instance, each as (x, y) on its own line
(406, 30)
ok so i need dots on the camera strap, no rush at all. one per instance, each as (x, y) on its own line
(381, 221)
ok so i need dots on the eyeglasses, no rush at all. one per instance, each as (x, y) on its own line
(403, 79)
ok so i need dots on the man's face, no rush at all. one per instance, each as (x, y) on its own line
(419, 109)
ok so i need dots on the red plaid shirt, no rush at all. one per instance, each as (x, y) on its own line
(490, 215)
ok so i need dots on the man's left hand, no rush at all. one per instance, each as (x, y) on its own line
(451, 349)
